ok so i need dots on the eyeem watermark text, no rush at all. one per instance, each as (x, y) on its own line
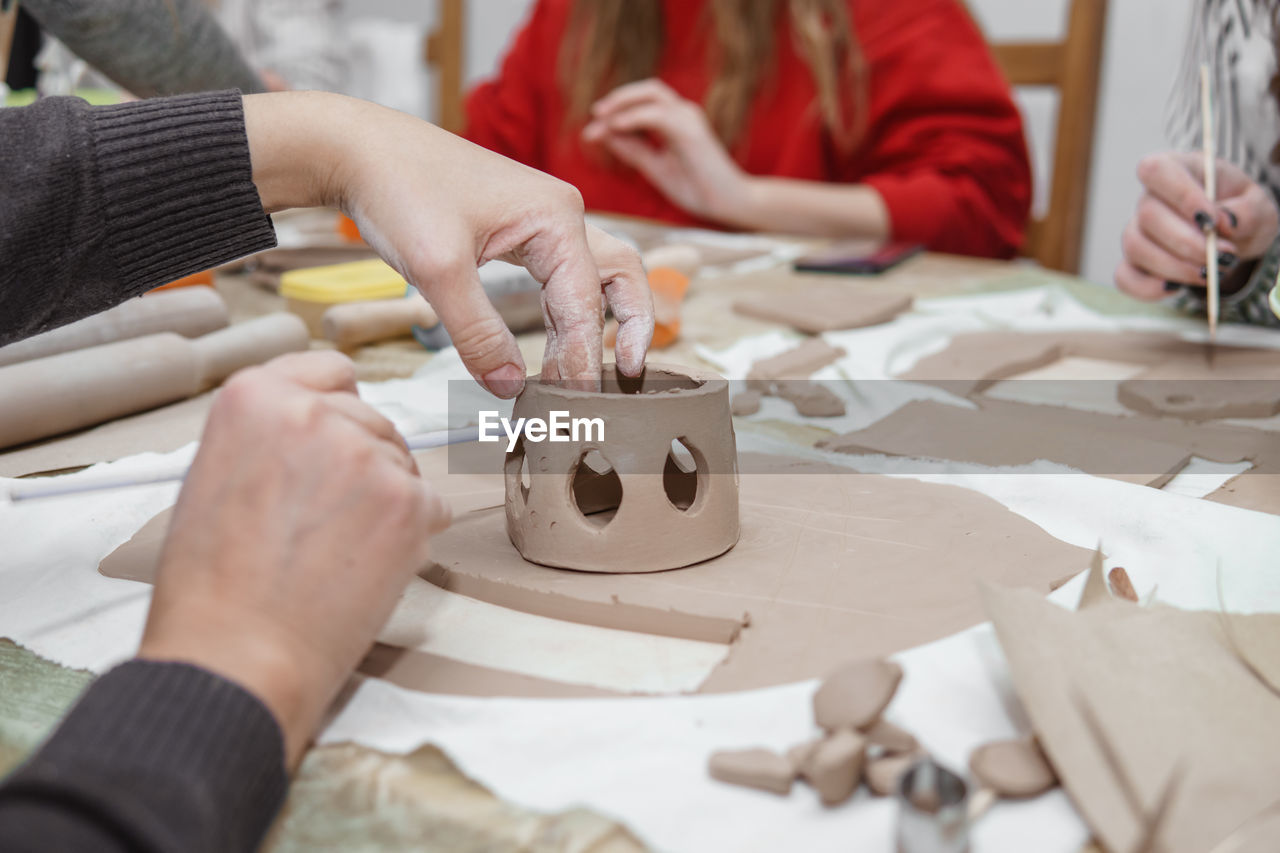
(559, 427)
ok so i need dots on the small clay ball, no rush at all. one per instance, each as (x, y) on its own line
(853, 696)
(1013, 768)
(892, 739)
(753, 768)
(883, 774)
(834, 766)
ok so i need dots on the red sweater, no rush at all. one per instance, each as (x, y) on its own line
(943, 144)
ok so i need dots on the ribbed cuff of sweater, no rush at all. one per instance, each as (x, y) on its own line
(177, 186)
(169, 756)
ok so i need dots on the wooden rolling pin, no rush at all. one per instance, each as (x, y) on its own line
(189, 311)
(351, 324)
(53, 395)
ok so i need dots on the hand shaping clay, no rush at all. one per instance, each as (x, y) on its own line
(853, 696)
(1013, 768)
(818, 308)
(834, 766)
(646, 513)
(883, 774)
(892, 739)
(753, 768)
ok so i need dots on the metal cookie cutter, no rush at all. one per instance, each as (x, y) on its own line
(933, 808)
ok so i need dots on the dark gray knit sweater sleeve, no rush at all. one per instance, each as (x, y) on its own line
(155, 757)
(98, 204)
(148, 47)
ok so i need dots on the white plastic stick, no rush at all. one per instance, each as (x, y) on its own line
(29, 490)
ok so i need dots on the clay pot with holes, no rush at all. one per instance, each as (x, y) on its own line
(648, 482)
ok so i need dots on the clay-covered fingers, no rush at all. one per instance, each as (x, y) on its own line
(626, 288)
(1152, 259)
(1138, 284)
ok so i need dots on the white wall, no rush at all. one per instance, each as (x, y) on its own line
(1145, 39)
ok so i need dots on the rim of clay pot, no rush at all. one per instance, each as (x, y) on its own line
(703, 382)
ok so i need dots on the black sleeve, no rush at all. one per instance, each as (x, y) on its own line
(98, 204)
(148, 47)
(153, 757)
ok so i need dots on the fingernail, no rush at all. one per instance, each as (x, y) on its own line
(1204, 220)
(1235, 223)
(1204, 272)
(1226, 259)
(1172, 287)
(505, 382)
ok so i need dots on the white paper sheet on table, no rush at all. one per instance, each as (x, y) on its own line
(643, 760)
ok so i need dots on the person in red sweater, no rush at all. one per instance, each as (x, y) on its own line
(840, 118)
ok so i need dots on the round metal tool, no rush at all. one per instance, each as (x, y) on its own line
(932, 810)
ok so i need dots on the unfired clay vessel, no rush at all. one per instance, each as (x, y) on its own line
(627, 503)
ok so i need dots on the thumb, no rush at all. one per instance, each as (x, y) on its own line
(479, 333)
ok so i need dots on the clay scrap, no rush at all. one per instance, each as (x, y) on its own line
(818, 308)
(834, 766)
(798, 363)
(1016, 769)
(854, 696)
(753, 768)
(785, 376)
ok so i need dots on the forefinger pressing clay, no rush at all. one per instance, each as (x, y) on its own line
(1013, 768)
(834, 766)
(853, 696)
(753, 768)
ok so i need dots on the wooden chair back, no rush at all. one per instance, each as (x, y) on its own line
(1073, 66)
(444, 52)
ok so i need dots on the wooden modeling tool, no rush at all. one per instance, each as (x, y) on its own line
(52, 487)
(1211, 190)
(8, 20)
(49, 396)
(353, 324)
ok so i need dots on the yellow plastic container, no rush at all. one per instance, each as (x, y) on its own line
(310, 292)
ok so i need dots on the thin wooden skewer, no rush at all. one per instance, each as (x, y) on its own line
(1211, 190)
(8, 21)
(30, 490)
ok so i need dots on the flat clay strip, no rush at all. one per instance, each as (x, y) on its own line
(853, 696)
(417, 670)
(753, 768)
(811, 399)
(924, 429)
(834, 766)
(821, 308)
(830, 560)
(1013, 768)
(799, 363)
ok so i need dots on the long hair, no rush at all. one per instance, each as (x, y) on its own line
(612, 42)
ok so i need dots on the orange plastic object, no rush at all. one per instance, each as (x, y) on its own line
(348, 229)
(201, 278)
(669, 287)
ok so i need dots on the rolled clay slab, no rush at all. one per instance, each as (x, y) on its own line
(753, 768)
(1013, 768)
(853, 696)
(552, 520)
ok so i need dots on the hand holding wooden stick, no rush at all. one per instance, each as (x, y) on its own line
(1211, 190)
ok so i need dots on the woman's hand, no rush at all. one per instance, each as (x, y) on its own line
(1165, 240)
(435, 207)
(301, 521)
(668, 139)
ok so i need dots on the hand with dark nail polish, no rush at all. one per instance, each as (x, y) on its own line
(1204, 220)
(1226, 259)
(1172, 287)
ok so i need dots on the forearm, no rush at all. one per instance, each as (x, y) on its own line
(88, 220)
(786, 205)
(149, 48)
(154, 756)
